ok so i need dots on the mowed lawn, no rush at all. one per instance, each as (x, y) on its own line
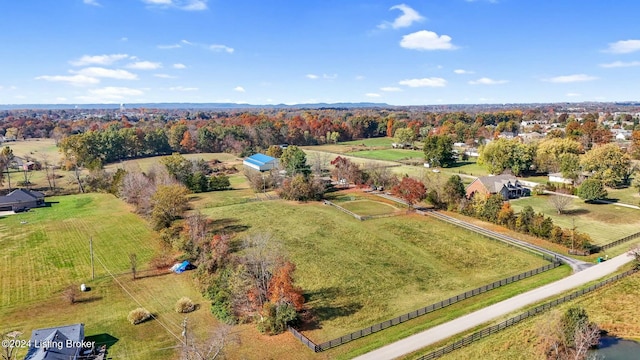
(369, 208)
(603, 222)
(389, 154)
(47, 249)
(355, 273)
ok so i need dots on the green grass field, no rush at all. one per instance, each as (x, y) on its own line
(603, 222)
(355, 275)
(389, 154)
(35, 148)
(369, 208)
(613, 308)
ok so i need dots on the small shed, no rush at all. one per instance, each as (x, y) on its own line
(260, 162)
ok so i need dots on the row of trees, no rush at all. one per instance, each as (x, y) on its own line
(607, 163)
(196, 175)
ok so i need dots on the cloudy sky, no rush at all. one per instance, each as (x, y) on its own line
(285, 51)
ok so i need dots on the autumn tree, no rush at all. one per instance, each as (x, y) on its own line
(410, 190)
(592, 189)
(550, 151)
(405, 136)
(567, 335)
(137, 189)
(274, 151)
(294, 161)
(380, 176)
(344, 168)
(503, 154)
(168, 203)
(608, 164)
(438, 150)
(301, 188)
(6, 157)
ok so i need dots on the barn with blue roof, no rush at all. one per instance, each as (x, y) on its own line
(261, 162)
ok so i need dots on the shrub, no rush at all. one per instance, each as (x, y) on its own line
(185, 305)
(70, 294)
(138, 316)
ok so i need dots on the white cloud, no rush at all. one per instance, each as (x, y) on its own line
(187, 5)
(571, 78)
(187, 42)
(91, 2)
(312, 76)
(114, 91)
(573, 94)
(372, 95)
(239, 89)
(182, 88)
(144, 65)
(77, 80)
(424, 82)
(390, 89)
(330, 77)
(408, 17)
(221, 48)
(624, 46)
(98, 59)
(618, 64)
(487, 81)
(168, 47)
(98, 72)
(426, 40)
(462, 71)
(164, 76)
(179, 66)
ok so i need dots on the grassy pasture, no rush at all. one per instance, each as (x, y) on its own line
(355, 275)
(389, 154)
(604, 222)
(369, 208)
(49, 252)
(35, 148)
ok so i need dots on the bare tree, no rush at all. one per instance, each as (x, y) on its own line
(10, 346)
(70, 294)
(319, 162)
(133, 261)
(560, 202)
(210, 348)
(262, 254)
(137, 190)
(635, 252)
(49, 170)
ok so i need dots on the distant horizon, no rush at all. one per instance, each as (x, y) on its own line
(253, 52)
(233, 105)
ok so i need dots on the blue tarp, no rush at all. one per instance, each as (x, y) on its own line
(182, 267)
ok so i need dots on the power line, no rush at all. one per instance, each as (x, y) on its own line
(138, 302)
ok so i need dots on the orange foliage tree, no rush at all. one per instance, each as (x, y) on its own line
(410, 190)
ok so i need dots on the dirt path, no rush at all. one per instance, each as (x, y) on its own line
(467, 322)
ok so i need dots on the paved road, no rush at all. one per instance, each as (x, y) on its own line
(477, 318)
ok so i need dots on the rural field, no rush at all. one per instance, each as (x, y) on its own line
(356, 274)
(613, 308)
(603, 222)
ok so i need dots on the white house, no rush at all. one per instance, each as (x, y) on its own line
(260, 162)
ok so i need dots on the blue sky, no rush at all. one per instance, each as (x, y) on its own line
(277, 51)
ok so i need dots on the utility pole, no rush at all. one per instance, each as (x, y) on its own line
(93, 272)
(184, 330)
(573, 234)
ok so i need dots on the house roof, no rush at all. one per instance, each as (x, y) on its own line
(45, 343)
(21, 195)
(495, 183)
(259, 159)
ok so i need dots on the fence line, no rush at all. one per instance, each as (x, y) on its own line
(618, 242)
(467, 340)
(344, 210)
(422, 311)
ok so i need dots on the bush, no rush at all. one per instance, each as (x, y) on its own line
(138, 316)
(185, 305)
(70, 294)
